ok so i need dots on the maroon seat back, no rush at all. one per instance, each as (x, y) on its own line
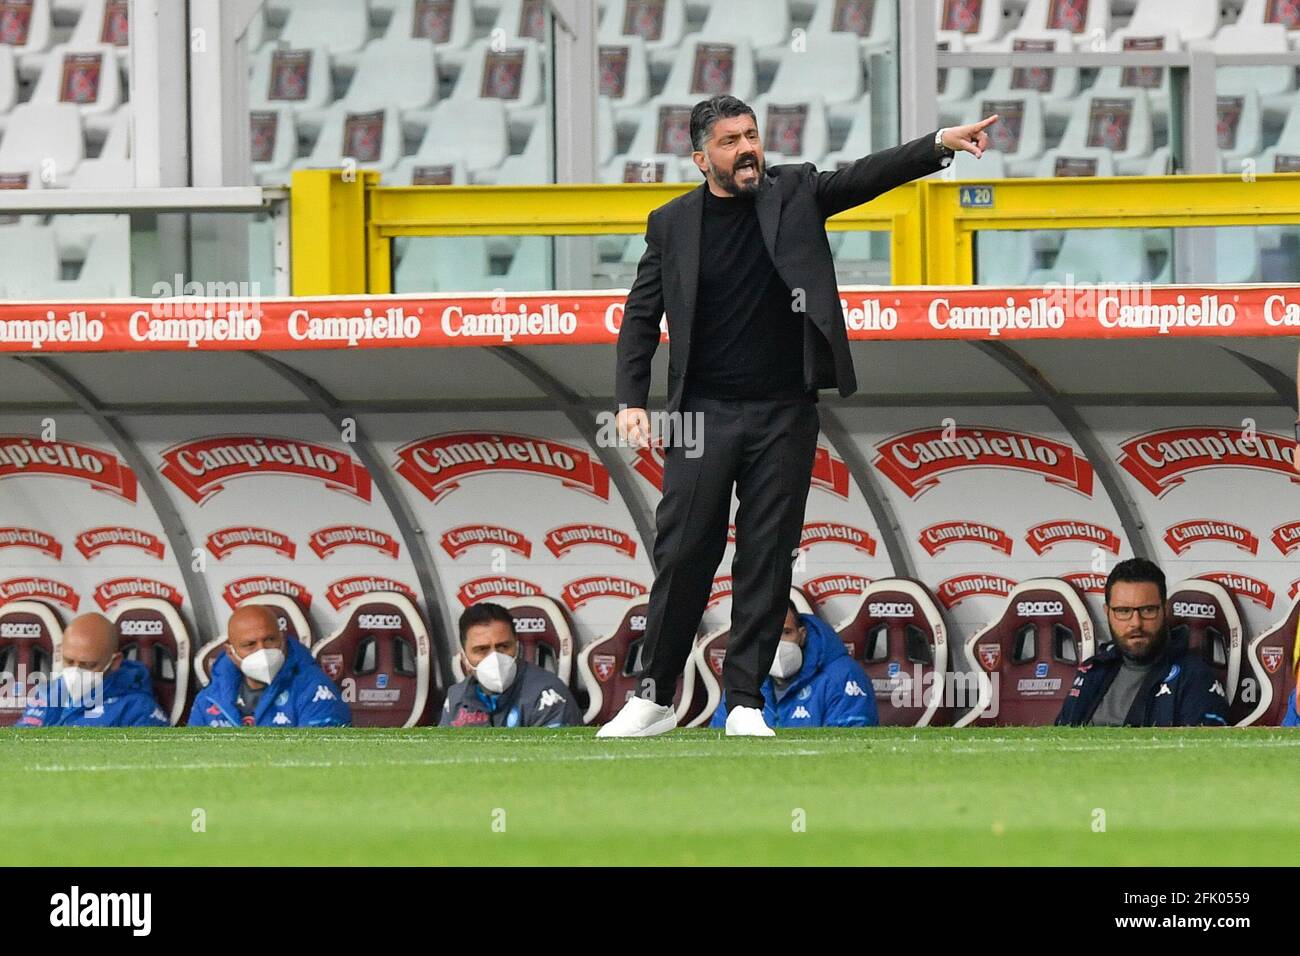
(605, 666)
(1268, 679)
(380, 660)
(30, 635)
(1028, 656)
(151, 631)
(1206, 615)
(897, 633)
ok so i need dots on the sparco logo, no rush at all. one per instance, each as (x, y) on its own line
(78, 909)
(1043, 537)
(939, 536)
(95, 540)
(21, 455)
(43, 589)
(1195, 609)
(914, 461)
(530, 625)
(343, 590)
(1183, 535)
(827, 532)
(328, 540)
(236, 591)
(1248, 587)
(140, 627)
(834, 585)
(1160, 460)
(579, 592)
(560, 541)
(31, 538)
(123, 589)
(957, 589)
(1039, 608)
(16, 630)
(479, 589)
(890, 609)
(457, 541)
(225, 540)
(200, 468)
(379, 622)
(435, 465)
(1286, 537)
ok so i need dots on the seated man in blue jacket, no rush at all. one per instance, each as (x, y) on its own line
(96, 687)
(1143, 677)
(813, 682)
(265, 679)
(499, 689)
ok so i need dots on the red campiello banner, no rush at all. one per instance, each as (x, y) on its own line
(1252, 589)
(937, 537)
(31, 538)
(1181, 536)
(827, 586)
(340, 592)
(1089, 582)
(24, 455)
(39, 589)
(456, 541)
(916, 461)
(94, 540)
(493, 586)
(326, 541)
(957, 589)
(1286, 537)
(436, 465)
(870, 313)
(225, 540)
(1161, 460)
(201, 468)
(830, 532)
(259, 584)
(719, 591)
(1048, 534)
(109, 593)
(577, 593)
(560, 541)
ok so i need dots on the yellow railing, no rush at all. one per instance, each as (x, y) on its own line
(343, 224)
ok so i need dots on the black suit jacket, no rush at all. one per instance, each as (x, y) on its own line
(793, 204)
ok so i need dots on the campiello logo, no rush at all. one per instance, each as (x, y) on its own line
(1043, 537)
(94, 540)
(31, 538)
(124, 589)
(497, 585)
(937, 537)
(340, 592)
(225, 540)
(957, 589)
(834, 585)
(200, 468)
(43, 589)
(1089, 582)
(328, 540)
(915, 461)
(560, 541)
(719, 591)
(579, 592)
(1161, 460)
(22, 455)
(1183, 535)
(829, 473)
(456, 541)
(1247, 587)
(1286, 537)
(828, 532)
(436, 465)
(236, 591)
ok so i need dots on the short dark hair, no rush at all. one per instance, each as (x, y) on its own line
(484, 613)
(794, 610)
(707, 112)
(1137, 571)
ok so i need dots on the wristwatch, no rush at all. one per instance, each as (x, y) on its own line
(944, 153)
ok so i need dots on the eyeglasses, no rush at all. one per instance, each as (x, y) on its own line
(1148, 612)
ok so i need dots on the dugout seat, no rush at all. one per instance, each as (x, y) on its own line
(544, 632)
(151, 631)
(1026, 658)
(293, 623)
(1268, 680)
(31, 633)
(383, 650)
(297, 79)
(451, 28)
(605, 666)
(1207, 616)
(897, 633)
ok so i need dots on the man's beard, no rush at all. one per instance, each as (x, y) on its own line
(727, 181)
(1158, 643)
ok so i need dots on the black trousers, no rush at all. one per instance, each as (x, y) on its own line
(765, 448)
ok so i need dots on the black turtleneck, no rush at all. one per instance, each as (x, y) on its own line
(746, 341)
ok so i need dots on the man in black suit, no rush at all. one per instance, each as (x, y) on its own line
(742, 268)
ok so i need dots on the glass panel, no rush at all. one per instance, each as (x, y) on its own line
(861, 257)
(473, 263)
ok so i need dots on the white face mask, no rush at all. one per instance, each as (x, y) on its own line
(496, 672)
(788, 660)
(83, 686)
(262, 665)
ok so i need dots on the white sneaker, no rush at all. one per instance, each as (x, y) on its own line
(640, 717)
(747, 722)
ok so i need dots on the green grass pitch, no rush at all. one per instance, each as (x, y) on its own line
(901, 797)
